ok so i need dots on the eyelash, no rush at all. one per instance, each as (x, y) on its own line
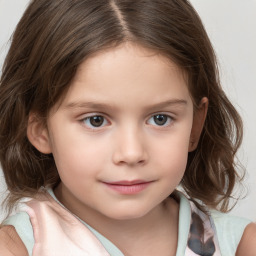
(167, 120)
(87, 121)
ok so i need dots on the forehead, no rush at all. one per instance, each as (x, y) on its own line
(128, 71)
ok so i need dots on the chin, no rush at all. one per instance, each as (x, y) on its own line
(128, 214)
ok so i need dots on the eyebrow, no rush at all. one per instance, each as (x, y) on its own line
(172, 102)
(88, 104)
(104, 106)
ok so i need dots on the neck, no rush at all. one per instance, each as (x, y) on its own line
(158, 228)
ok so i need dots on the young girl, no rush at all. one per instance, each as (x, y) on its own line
(105, 108)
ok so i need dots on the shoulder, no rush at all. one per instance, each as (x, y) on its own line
(21, 225)
(230, 231)
(227, 223)
(247, 245)
(10, 242)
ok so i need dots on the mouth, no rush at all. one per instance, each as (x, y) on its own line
(126, 187)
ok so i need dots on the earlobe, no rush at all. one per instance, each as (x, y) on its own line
(37, 134)
(198, 124)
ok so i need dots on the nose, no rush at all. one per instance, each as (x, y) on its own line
(130, 148)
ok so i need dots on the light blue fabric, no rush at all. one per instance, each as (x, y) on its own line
(229, 230)
(184, 224)
(21, 222)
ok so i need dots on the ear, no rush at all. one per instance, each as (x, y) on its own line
(37, 134)
(198, 124)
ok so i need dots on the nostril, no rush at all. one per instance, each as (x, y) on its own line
(128, 158)
(130, 148)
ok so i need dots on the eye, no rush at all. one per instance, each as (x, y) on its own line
(95, 121)
(160, 120)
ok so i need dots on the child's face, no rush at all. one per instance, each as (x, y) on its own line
(127, 119)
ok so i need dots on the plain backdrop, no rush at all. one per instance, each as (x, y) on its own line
(231, 25)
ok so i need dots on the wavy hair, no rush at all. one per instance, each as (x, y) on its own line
(54, 37)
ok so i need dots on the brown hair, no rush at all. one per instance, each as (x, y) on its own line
(54, 37)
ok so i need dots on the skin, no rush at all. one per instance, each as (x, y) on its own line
(247, 245)
(10, 242)
(125, 88)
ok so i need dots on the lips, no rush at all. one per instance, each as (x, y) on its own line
(127, 182)
(128, 187)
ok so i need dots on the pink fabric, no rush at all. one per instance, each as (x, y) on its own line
(58, 232)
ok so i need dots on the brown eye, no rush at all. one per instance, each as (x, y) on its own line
(95, 121)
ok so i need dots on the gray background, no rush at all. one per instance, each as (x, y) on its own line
(231, 25)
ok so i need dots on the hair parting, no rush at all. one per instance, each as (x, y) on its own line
(54, 37)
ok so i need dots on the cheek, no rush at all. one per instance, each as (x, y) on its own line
(174, 162)
(172, 156)
(74, 156)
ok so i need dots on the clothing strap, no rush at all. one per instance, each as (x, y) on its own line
(47, 228)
